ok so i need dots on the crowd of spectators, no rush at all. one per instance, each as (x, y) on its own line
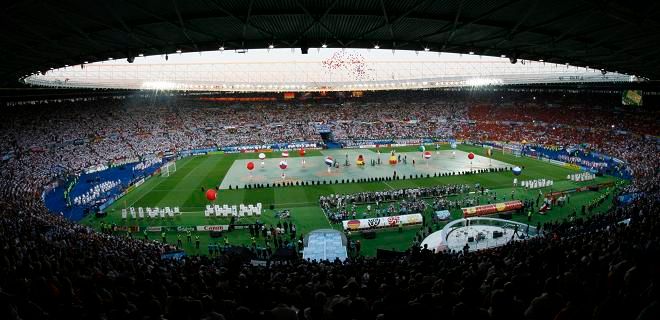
(41, 142)
(95, 192)
(338, 207)
(597, 266)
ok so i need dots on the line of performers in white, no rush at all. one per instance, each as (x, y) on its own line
(150, 212)
(582, 176)
(146, 163)
(535, 184)
(236, 211)
(95, 192)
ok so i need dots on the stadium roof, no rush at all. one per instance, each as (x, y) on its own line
(623, 37)
(329, 69)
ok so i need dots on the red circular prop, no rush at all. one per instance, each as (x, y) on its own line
(211, 194)
(301, 152)
(471, 156)
(250, 165)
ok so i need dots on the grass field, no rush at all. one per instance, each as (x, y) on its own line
(183, 189)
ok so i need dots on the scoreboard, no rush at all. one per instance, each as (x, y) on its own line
(631, 98)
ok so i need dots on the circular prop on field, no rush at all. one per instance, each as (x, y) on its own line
(211, 194)
(516, 171)
(329, 161)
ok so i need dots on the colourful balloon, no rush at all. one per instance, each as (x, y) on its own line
(471, 156)
(283, 165)
(422, 148)
(301, 152)
(262, 156)
(250, 165)
(211, 194)
(285, 154)
(427, 155)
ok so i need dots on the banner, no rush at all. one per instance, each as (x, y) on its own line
(138, 183)
(154, 229)
(273, 146)
(487, 209)
(572, 166)
(213, 228)
(557, 163)
(126, 228)
(382, 222)
(195, 152)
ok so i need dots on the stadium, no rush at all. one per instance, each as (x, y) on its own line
(330, 160)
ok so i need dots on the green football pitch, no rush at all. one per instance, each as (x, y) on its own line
(183, 189)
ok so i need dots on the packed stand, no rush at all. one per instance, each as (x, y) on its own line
(598, 266)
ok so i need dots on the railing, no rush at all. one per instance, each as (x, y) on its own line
(508, 224)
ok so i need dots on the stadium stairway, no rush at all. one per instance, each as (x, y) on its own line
(327, 137)
(325, 244)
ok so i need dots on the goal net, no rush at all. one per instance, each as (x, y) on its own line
(168, 169)
(513, 149)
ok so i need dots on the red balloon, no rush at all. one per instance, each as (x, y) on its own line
(211, 195)
(250, 165)
(471, 156)
(301, 152)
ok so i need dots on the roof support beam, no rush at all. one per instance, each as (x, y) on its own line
(182, 25)
(318, 21)
(387, 20)
(455, 25)
(168, 21)
(412, 9)
(245, 22)
(485, 15)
